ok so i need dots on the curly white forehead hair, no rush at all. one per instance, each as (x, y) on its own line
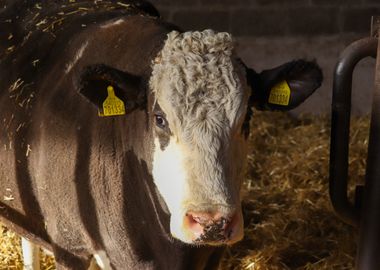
(194, 78)
(198, 43)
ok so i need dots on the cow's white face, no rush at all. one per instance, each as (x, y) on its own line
(199, 149)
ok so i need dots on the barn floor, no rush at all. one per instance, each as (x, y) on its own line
(288, 217)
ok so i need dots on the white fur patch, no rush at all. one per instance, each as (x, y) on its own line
(77, 56)
(170, 179)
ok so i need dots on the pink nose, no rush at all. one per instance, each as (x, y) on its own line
(214, 228)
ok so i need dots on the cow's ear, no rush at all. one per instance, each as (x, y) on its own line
(284, 87)
(112, 91)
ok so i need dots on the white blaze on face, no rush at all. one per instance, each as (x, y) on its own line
(170, 178)
(201, 91)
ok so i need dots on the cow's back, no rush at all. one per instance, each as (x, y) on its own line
(37, 36)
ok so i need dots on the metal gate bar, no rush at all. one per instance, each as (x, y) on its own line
(340, 126)
(365, 214)
(369, 238)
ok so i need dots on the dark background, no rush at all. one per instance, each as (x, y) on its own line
(271, 32)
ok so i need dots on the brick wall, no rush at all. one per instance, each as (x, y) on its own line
(271, 17)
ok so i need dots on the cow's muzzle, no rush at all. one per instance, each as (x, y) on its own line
(213, 228)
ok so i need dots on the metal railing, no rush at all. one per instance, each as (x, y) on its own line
(365, 213)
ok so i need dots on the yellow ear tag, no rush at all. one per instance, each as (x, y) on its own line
(112, 105)
(280, 94)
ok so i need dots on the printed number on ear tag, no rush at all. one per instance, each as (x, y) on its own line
(280, 94)
(112, 105)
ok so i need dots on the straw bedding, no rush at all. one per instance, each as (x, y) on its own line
(288, 217)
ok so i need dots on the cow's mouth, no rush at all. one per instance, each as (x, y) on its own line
(212, 229)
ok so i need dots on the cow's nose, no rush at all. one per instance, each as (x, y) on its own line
(213, 228)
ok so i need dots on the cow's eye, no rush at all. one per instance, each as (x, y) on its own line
(160, 121)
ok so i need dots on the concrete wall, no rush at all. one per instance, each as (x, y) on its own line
(271, 32)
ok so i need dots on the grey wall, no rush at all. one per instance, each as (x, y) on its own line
(270, 32)
(272, 17)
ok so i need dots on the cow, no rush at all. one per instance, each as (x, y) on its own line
(123, 139)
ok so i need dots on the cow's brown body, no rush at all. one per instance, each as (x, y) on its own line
(87, 178)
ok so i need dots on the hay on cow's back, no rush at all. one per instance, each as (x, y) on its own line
(288, 217)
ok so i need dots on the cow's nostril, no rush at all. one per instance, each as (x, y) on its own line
(209, 227)
(197, 219)
(193, 225)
